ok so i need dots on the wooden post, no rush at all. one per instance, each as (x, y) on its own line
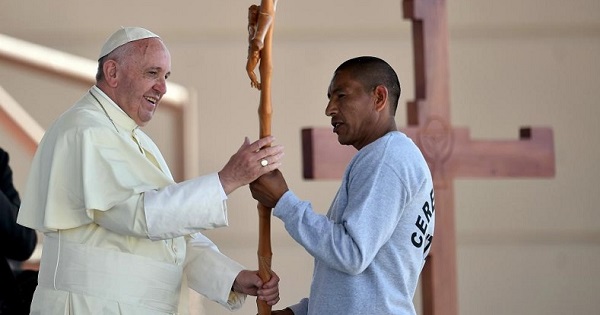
(449, 151)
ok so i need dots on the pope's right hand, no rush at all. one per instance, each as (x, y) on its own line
(251, 161)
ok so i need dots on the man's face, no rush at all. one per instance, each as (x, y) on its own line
(352, 110)
(142, 80)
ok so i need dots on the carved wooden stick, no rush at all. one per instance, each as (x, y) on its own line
(260, 28)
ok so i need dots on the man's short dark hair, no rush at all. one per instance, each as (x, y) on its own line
(371, 72)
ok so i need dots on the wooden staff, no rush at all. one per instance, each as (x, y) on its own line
(260, 30)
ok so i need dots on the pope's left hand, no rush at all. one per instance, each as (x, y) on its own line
(249, 282)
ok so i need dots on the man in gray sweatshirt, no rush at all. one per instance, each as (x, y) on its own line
(371, 246)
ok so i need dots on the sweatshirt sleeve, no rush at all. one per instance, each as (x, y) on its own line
(301, 308)
(361, 219)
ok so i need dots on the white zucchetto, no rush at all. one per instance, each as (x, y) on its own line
(123, 36)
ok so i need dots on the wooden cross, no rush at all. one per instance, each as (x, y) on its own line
(449, 151)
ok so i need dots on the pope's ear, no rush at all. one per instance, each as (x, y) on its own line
(110, 72)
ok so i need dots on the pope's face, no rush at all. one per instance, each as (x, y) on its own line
(142, 80)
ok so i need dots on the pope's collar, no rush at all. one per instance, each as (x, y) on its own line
(116, 113)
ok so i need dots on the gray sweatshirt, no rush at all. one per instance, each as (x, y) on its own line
(371, 246)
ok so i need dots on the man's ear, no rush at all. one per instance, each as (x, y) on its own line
(381, 95)
(110, 72)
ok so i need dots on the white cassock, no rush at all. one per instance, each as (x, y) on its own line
(120, 234)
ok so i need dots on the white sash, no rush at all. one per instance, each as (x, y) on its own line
(108, 274)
